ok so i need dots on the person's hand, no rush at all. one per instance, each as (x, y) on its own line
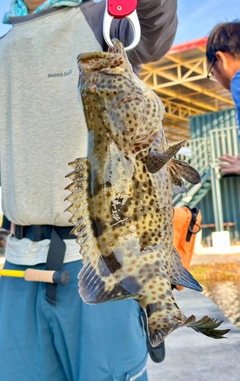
(230, 164)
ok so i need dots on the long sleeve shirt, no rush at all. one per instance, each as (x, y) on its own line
(235, 90)
(42, 125)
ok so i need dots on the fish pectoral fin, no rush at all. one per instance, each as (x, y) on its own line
(177, 182)
(181, 276)
(156, 160)
(207, 326)
(184, 170)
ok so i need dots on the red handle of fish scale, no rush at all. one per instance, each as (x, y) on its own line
(121, 8)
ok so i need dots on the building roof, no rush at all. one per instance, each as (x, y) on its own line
(180, 80)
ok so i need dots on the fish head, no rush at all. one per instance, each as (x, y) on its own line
(128, 109)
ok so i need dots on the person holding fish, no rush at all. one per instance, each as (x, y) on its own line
(47, 331)
(223, 56)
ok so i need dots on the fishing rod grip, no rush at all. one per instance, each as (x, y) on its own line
(47, 276)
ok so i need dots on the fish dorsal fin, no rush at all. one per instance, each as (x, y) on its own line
(180, 276)
(156, 160)
(103, 279)
(97, 283)
(78, 198)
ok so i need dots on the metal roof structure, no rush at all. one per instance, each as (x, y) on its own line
(180, 80)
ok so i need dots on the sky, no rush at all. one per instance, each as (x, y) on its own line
(196, 18)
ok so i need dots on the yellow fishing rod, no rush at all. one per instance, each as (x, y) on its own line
(47, 276)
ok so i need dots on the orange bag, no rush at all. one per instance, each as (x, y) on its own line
(186, 223)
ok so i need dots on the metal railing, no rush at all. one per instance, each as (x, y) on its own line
(203, 154)
(198, 158)
(198, 153)
(224, 140)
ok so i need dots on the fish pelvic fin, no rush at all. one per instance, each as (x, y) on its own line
(156, 160)
(181, 276)
(207, 326)
(179, 170)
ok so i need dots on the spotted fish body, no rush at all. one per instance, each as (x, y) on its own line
(121, 197)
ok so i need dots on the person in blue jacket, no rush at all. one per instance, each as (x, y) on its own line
(48, 333)
(223, 56)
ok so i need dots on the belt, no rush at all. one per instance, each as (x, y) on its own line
(39, 232)
(56, 251)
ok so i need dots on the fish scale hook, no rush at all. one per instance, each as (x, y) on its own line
(121, 9)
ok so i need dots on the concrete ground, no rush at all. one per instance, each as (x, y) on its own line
(208, 259)
(191, 356)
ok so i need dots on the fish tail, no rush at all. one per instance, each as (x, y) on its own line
(160, 324)
(207, 326)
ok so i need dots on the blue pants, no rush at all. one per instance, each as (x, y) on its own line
(70, 342)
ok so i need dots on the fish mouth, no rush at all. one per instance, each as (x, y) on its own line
(102, 61)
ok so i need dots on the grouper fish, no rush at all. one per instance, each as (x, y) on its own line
(121, 197)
